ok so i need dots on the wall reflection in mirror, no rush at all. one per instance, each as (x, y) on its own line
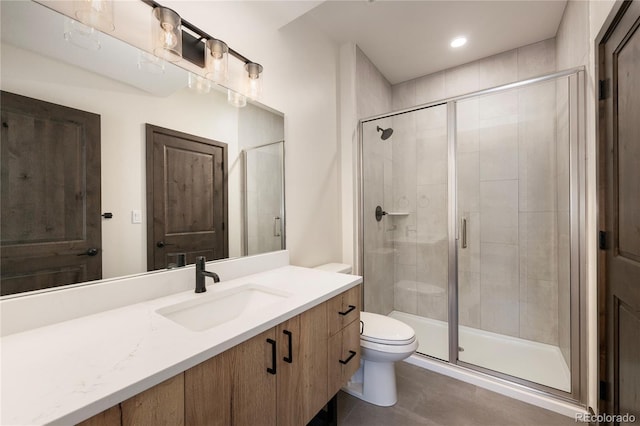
(119, 90)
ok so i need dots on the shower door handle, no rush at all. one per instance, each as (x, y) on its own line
(464, 232)
(276, 226)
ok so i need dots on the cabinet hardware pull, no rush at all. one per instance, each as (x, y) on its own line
(289, 358)
(351, 308)
(272, 370)
(353, 353)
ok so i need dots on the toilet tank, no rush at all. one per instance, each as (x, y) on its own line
(342, 268)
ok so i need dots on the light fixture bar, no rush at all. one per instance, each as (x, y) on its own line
(191, 41)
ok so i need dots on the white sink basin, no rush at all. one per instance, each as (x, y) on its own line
(213, 309)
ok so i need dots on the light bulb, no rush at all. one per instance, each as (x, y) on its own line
(96, 14)
(166, 34)
(216, 60)
(254, 88)
(168, 38)
(236, 99)
(199, 84)
(253, 85)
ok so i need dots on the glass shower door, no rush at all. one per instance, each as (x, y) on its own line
(264, 198)
(512, 162)
(405, 175)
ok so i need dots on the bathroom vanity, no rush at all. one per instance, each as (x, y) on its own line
(283, 341)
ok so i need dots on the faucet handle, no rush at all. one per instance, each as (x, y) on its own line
(200, 262)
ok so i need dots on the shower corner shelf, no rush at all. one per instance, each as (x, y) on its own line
(397, 213)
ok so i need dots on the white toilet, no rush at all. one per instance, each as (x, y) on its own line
(383, 341)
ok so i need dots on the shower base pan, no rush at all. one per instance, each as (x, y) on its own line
(525, 359)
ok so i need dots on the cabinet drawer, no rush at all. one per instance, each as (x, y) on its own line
(344, 356)
(343, 309)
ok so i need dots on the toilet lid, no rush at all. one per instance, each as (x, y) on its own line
(382, 329)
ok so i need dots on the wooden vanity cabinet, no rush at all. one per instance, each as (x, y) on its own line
(302, 367)
(343, 309)
(343, 359)
(249, 384)
(162, 405)
(233, 387)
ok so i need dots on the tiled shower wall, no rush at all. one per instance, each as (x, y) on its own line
(509, 181)
(513, 190)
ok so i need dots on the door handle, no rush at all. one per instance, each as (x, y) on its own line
(352, 354)
(161, 244)
(272, 370)
(276, 226)
(90, 252)
(464, 232)
(289, 358)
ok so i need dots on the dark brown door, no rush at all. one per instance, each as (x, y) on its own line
(619, 172)
(50, 195)
(186, 198)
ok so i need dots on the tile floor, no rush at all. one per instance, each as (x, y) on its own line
(427, 398)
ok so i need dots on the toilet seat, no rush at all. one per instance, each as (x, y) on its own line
(383, 330)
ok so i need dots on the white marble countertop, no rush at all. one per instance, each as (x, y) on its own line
(66, 372)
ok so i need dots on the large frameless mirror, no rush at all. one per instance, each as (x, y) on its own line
(65, 68)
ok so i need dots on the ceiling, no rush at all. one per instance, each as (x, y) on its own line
(409, 39)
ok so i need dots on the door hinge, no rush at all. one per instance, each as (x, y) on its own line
(222, 165)
(602, 240)
(223, 226)
(603, 89)
(603, 390)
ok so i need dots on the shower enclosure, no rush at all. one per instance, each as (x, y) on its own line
(469, 228)
(263, 198)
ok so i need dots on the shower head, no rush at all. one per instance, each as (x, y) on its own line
(386, 133)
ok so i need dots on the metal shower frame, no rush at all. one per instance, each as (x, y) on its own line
(577, 178)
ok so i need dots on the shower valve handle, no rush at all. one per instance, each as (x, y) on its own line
(379, 213)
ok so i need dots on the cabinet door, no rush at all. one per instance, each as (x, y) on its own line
(254, 388)
(109, 417)
(302, 369)
(207, 391)
(344, 357)
(161, 405)
(343, 309)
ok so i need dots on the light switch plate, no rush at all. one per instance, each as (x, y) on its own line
(136, 216)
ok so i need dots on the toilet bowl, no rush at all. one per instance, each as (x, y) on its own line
(383, 341)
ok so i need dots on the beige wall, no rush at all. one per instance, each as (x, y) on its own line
(300, 80)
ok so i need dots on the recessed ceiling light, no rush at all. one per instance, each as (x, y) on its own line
(458, 41)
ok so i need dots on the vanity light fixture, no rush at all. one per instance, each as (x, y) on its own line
(80, 35)
(216, 60)
(236, 99)
(96, 14)
(253, 83)
(199, 84)
(150, 63)
(458, 42)
(166, 34)
(176, 39)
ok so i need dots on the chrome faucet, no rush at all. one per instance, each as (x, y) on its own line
(201, 274)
